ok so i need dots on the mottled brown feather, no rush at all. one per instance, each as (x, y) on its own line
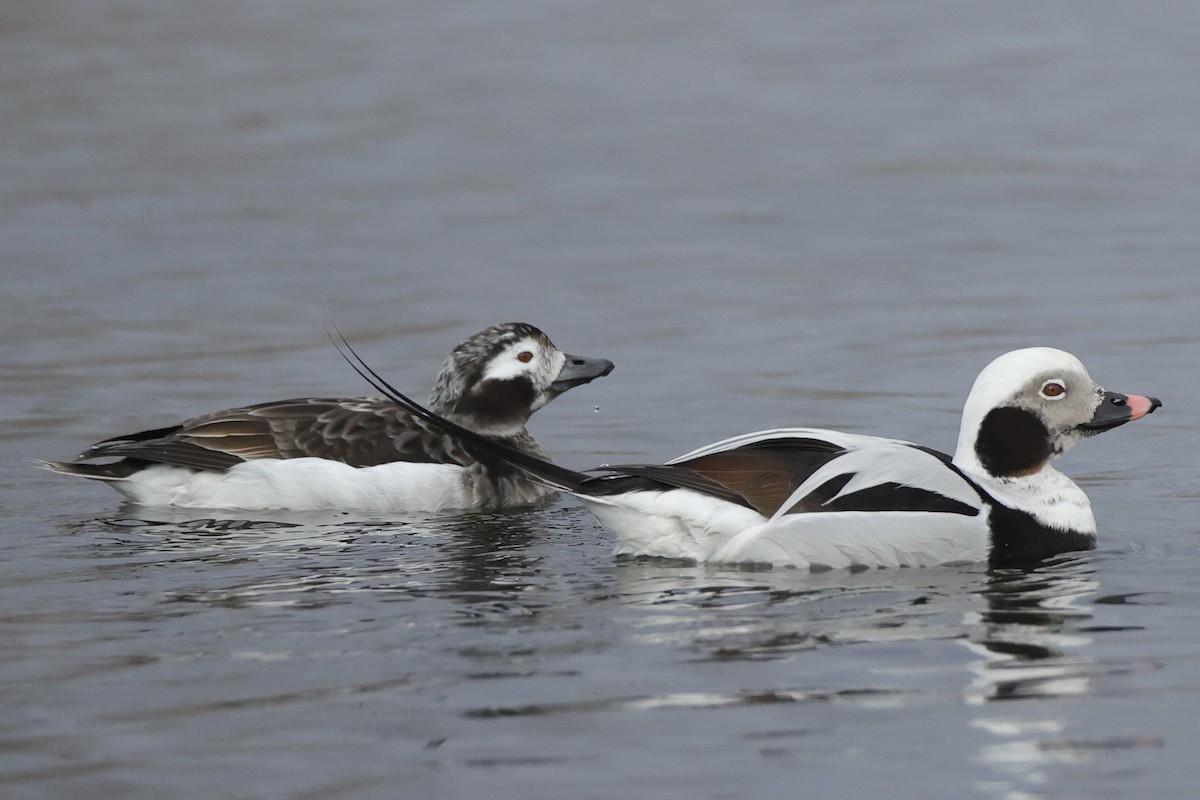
(357, 431)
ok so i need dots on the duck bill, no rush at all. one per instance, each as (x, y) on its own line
(1117, 409)
(579, 370)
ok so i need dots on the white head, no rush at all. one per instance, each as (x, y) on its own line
(493, 381)
(1030, 406)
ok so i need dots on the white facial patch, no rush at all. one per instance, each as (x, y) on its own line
(526, 358)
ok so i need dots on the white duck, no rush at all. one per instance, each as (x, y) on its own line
(357, 453)
(812, 498)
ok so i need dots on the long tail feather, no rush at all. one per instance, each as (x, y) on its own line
(117, 471)
(545, 471)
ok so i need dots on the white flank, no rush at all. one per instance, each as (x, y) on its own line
(683, 524)
(304, 484)
(860, 539)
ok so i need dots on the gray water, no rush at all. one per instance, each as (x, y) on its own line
(766, 213)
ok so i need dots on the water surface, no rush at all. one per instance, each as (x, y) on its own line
(830, 214)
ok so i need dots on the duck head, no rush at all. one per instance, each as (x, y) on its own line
(496, 379)
(1030, 406)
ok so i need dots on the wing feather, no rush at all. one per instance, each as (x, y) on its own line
(807, 470)
(889, 472)
(761, 475)
(359, 432)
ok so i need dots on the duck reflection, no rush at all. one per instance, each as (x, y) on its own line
(755, 615)
(1030, 640)
(1029, 632)
(313, 559)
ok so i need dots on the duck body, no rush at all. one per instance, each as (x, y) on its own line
(840, 504)
(371, 458)
(848, 501)
(359, 453)
(813, 498)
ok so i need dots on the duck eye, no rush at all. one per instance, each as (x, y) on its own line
(1053, 390)
(524, 356)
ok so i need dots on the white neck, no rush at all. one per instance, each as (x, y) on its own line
(1050, 496)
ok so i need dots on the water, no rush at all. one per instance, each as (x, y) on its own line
(827, 214)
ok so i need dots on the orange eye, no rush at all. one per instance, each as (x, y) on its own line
(1053, 389)
(524, 356)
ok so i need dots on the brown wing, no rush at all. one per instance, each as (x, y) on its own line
(760, 476)
(357, 431)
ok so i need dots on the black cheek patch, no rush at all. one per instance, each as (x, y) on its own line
(498, 402)
(1011, 442)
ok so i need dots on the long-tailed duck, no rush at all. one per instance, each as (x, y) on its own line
(358, 453)
(812, 498)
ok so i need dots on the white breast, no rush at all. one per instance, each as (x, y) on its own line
(1050, 496)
